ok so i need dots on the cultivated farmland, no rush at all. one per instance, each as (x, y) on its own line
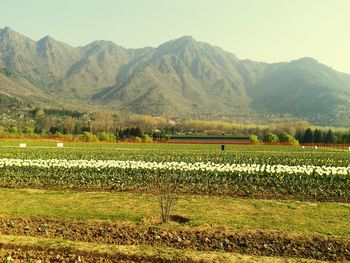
(265, 202)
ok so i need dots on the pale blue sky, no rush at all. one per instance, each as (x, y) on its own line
(262, 30)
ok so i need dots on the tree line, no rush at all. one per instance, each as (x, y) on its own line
(125, 125)
(305, 136)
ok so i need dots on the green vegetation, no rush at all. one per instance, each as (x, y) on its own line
(284, 137)
(155, 152)
(103, 126)
(270, 137)
(257, 173)
(253, 138)
(256, 182)
(78, 209)
(152, 95)
(202, 211)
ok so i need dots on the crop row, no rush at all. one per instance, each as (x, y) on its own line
(174, 154)
(273, 181)
(176, 166)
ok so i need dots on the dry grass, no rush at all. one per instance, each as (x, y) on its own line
(159, 252)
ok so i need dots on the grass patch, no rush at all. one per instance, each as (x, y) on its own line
(202, 211)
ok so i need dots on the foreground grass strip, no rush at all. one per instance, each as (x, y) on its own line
(202, 212)
(90, 252)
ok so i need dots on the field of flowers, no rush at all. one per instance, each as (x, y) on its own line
(105, 194)
(252, 171)
(259, 154)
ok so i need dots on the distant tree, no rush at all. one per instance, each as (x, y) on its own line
(137, 139)
(147, 138)
(13, 129)
(55, 129)
(317, 138)
(271, 137)
(299, 136)
(346, 137)
(103, 122)
(89, 137)
(68, 125)
(27, 130)
(308, 136)
(43, 124)
(121, 118)
(253, 138)
(286, 138)
(157, 134)
(136, 132)
(330, 138)
(79, 128)
(126, 133)
(103, 136)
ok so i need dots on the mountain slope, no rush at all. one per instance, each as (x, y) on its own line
(303, 88)
(184, 76)
(42, 63)
(180, 78)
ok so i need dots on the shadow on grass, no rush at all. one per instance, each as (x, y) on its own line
(179, 219)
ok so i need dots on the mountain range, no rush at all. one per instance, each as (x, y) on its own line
(181, 78)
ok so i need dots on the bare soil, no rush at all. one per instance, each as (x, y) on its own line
(40, 255)
(329, 248)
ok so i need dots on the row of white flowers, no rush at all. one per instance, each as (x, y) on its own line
(181, 166)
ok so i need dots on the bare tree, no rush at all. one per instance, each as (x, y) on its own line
(69, 124)
(123, 118)
(103, 122)
(165, 184)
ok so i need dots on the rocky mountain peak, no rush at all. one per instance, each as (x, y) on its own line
(192, 78)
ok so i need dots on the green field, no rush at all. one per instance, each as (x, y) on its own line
(202, 211)
(298, 206)
(289, 155)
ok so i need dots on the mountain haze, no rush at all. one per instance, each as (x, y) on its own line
(181, 78)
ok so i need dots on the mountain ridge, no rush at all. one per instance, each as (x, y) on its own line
(182, 78)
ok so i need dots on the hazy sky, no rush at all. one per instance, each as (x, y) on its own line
(262, 30)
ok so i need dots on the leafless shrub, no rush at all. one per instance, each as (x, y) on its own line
(165, 186)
